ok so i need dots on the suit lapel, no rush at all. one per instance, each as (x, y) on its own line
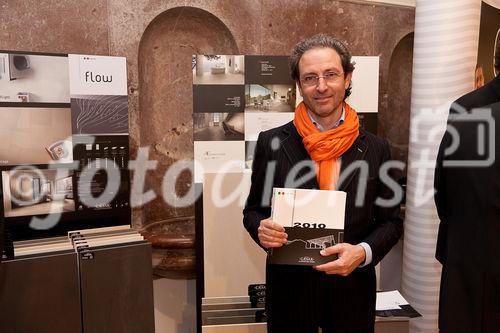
(296, 153)
(355, 153)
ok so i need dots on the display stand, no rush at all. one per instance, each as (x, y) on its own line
(117, 289)
(395, 325)
(76, 265)
(111, 292)
(236, 315)
(40, 294)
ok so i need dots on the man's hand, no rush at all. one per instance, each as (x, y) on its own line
(271, 234)
(350, 257)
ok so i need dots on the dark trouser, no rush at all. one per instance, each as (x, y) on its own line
(301, 300)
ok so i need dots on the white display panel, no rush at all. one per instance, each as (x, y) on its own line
(97, 75)
(218, 156)
(364, 93)
(258, 122)
(232, 260)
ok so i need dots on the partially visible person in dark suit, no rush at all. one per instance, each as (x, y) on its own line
(468, 204)
(326, 140)
(3, 235)
(2, 238)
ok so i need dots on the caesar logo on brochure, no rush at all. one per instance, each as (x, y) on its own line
(307, 260)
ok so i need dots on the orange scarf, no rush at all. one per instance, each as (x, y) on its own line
(325, 148)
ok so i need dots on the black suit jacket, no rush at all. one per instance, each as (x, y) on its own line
(2, 238)
(298, 297)
(468, 205)
(484, 96)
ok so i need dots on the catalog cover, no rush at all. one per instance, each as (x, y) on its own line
(304, 245)
(313, 220)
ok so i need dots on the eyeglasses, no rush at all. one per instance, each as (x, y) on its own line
(313, 80)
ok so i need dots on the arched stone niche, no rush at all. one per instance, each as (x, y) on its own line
(397, 124)
(165, 113)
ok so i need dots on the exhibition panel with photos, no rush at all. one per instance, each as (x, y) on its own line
(235, 97)
(64, 146)
(65, 193)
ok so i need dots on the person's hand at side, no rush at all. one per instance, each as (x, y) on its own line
(271, 234)
(350, 257)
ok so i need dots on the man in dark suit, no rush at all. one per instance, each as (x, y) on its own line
(320, 149)
(468, 204)
(1, 238)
